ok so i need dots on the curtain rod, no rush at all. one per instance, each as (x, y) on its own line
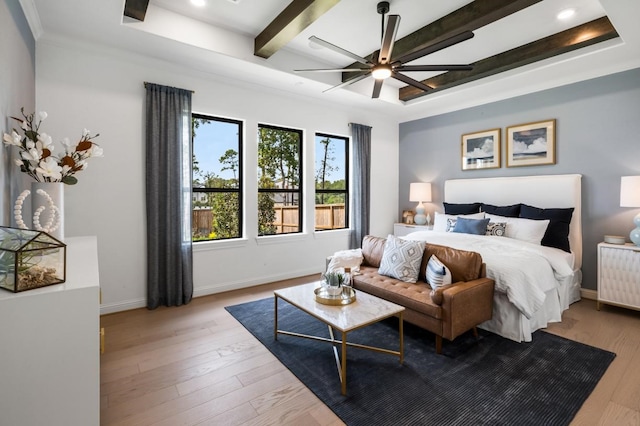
(146, 82)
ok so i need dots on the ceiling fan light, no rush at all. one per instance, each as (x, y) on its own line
(380, 73)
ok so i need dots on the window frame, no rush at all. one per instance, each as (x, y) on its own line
(239, 190)
(299, 191)
(347, 181)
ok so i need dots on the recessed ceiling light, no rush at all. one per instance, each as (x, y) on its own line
(198, 3)
(566, 14)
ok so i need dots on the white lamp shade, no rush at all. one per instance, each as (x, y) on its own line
(629, 191)
(420, 191)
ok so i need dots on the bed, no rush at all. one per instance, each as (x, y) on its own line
(534, 283)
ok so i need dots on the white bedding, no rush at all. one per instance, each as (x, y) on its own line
(526, 273)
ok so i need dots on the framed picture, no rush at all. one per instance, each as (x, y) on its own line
(481, 150)
(531, 144)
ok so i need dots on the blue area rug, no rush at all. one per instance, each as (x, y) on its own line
(485, 381)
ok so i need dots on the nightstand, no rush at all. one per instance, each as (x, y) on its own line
(619, 275)
(402, 229)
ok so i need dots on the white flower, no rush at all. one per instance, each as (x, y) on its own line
(86, 133)
(31, 155)
(43, 115)
(96, 151)
(46, 141)
(68, 149)
(12, 139)
(82, 165)
(30, 144)
(18, 162)
(24, 125)
(49, 168)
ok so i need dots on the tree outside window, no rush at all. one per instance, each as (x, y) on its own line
(331, 182)
(279, 180)
(217, 178)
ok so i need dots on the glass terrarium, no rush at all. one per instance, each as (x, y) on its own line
(30, 259)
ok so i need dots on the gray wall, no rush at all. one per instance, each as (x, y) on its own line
(17, 89)
(597, 136)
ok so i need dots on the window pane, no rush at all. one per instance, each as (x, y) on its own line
(217, 178)
(330, 214)
(278, 213)
(217, 217)
(215, 153)
(330, 162)
(279, 180)
(279, 158)
(331, 182)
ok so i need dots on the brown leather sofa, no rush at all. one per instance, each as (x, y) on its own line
(447, 311)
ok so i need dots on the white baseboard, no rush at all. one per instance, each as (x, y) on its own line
(110, 308)
(589, 294)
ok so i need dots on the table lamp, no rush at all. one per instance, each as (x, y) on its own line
(630, 197)
(420, 192)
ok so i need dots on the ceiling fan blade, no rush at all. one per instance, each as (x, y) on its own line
(348, 82)
(376, 89)
(334, 70)
(340, 50)
(388, 39)
(458, 38)
(411, 82)
(434, 68)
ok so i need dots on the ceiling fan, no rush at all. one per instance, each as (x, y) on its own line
(384, 66)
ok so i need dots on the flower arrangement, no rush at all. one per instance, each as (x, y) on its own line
(36, 151)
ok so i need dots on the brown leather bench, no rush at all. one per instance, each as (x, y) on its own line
(447, 311)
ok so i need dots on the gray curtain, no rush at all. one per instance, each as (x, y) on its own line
(168, 196)
(361, 200)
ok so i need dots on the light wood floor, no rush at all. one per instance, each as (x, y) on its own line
(196, 365)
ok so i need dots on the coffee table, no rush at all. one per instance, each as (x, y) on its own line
(364, 311)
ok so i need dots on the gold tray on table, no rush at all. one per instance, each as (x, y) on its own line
(347, 296)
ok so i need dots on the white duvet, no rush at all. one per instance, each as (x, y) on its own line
(521, 270)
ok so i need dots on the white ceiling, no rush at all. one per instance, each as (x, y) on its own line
(218, 39)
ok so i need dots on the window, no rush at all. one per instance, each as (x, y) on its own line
(217, 178)
(279, 180)
(332, 182)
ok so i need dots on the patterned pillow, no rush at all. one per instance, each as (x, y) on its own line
(437, 274)
(451, 223)
(401, 259)
(498, 229)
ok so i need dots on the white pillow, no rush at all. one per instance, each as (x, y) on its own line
(528, 230)
(437, 273)
(401, 259)
(346, 259)
(440, 220)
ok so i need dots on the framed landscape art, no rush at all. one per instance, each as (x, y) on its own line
(531, 144)
(481, 150)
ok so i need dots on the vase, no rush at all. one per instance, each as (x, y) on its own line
(47, 209)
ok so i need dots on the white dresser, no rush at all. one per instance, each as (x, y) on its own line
(50, 347)
(619, 275)
(402, 229)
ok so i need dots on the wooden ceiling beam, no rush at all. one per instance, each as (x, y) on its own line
(566, 41)
(470, 17)
(136, 9)
(288, 24)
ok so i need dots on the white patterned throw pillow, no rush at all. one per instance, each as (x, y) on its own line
(437, 274)
(498, 229)
(401, 259)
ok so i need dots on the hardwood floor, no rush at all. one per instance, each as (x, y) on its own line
(196, 365)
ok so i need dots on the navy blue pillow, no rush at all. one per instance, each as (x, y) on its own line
(557, 234)
(453, 208)
(507, 211)
(471, 226)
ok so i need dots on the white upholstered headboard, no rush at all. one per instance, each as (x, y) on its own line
(547, 191)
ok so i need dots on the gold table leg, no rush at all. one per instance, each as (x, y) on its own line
(344, 363)
(275, 321)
